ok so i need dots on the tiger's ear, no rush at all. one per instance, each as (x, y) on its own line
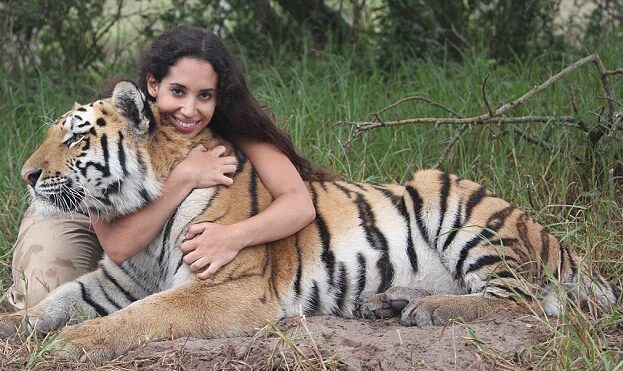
(130, 102)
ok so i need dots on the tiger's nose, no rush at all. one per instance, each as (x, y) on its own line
(30, 177)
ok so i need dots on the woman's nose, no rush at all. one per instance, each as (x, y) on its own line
(189, 108)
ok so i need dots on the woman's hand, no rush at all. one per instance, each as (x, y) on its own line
(203, 168)
(209, 246)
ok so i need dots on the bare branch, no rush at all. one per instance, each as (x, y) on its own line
(618, 71)
(420, 98)
(483, 90)
(477, 120)
(446, 150)
(498, 115)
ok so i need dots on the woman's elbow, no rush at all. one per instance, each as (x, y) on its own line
(117, 257)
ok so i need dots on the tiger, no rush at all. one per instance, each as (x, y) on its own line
(436, 249)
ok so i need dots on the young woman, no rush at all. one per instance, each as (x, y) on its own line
(195, 83)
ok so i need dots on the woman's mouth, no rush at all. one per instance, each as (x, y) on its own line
(184, 126)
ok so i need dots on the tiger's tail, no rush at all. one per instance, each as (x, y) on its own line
(592, 290)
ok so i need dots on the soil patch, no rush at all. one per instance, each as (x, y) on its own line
(311, 342)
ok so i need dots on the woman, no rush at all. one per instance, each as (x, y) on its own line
(195, 83)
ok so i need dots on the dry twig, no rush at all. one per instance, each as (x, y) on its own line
(498, 115)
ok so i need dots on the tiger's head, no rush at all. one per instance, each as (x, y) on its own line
(97, 157)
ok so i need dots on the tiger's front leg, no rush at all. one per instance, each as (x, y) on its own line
(98, 293)
(194, 309)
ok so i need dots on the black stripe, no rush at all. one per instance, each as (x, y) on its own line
(346, 191)
(545, 246)
(112, 189)
(240, 158)
(504, 274)
(179, 264)
(86, 123)
(125, 293)
(512, 291)
(473, 201)
(106, 154)
(342, 287)
(522, 228)
(399, 204)
(495, 222)
(165, 237)
(86, 297)
(418, 202)
(105, 168)
(253, 192)
(361, 275)
(145, 196)
(327, 255)
(357, 185)
(131, 274)
(456, 226)
(443, 203)
(299, 268)
(572, 265)
(121, 154)
(313, 302)
(377, 241)
(112, 302)
(483, 261)
(150, 116)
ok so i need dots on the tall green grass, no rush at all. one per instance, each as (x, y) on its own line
(568, 187)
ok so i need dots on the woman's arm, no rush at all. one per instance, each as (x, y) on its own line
(291, 210)
(128, 235)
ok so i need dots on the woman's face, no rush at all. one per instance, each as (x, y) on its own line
(186, 95)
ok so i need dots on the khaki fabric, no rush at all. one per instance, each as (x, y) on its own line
(48, 253)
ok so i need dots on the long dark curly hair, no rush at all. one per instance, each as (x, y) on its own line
(238, 114)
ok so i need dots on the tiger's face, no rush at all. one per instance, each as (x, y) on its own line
(84, 162)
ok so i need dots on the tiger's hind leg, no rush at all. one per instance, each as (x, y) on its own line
(438, 310)
(501, 293)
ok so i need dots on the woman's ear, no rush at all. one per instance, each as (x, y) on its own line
(152, 85)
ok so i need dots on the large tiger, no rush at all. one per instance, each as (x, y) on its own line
(438, 248)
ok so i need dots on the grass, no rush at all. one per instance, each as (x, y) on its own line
(570, 188)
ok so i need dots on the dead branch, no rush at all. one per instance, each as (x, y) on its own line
(416, 97)
(497, 116)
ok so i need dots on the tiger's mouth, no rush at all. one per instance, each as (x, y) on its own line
(61, 195)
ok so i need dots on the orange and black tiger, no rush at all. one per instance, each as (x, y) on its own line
(437, 248)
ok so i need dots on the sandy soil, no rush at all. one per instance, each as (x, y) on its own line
(308, 343)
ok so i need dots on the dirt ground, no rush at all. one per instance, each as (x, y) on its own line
(313, 342)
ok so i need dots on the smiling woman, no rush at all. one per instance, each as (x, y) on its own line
(194, 82)
(186, 95)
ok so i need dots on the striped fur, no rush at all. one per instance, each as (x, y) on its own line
(437, 234)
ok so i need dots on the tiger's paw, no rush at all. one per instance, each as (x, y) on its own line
(85, 342)
(438, 310)
(390, 303)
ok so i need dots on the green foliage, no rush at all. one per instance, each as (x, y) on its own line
(91, 34)
(62, 33)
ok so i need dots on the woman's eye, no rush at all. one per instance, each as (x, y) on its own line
(177, 92)
(205, 96)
